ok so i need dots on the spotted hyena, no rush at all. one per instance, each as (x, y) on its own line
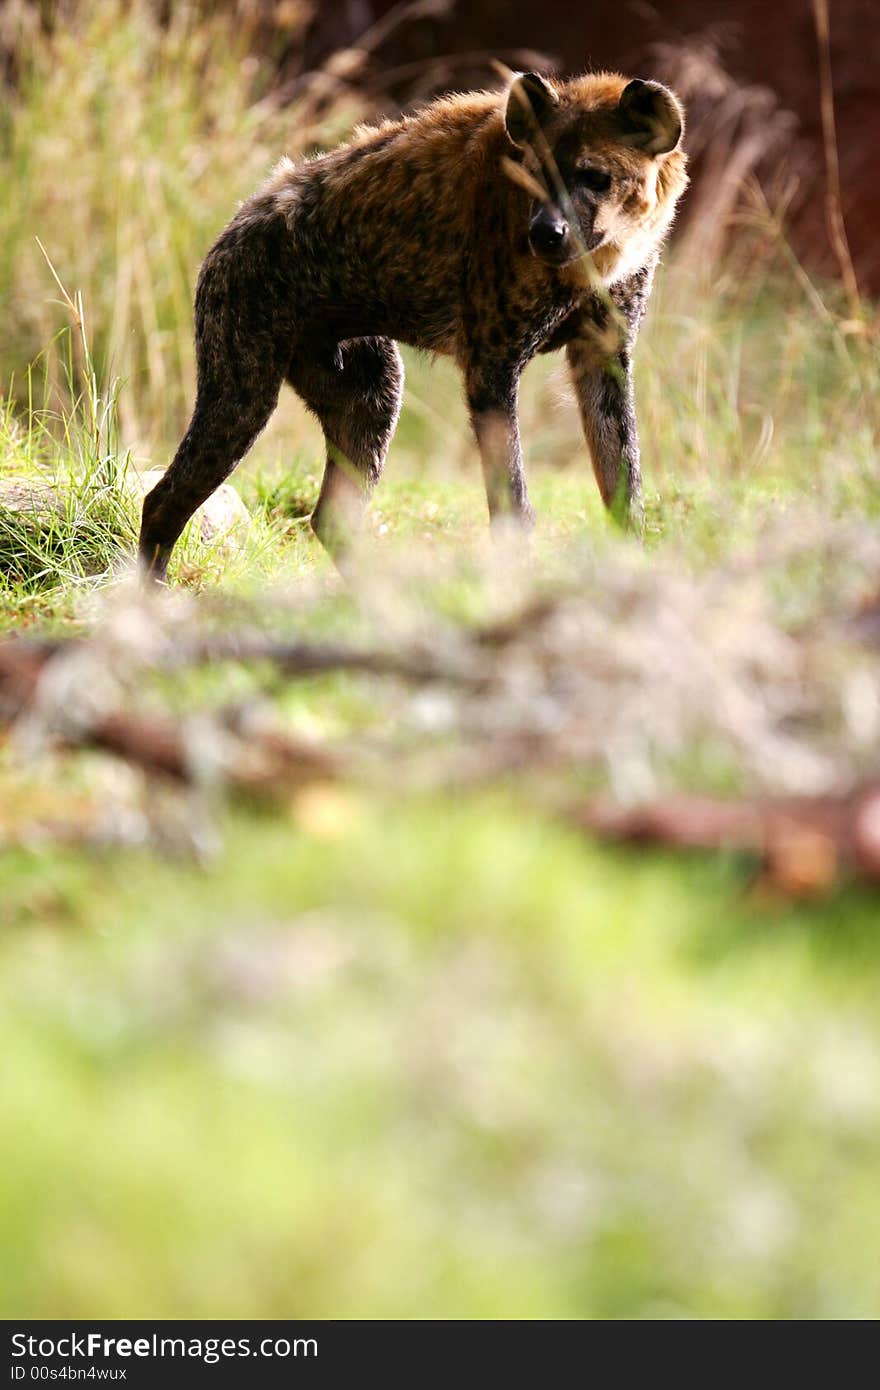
(490, 227)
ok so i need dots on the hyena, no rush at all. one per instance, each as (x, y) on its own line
(488, 226)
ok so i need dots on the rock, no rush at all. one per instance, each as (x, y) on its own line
(223, 519)
(30, 495)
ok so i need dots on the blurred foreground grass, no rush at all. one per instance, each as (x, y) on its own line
(433, 1060)
(436, 1055)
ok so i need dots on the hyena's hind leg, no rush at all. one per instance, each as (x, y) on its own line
(243, 333)
(355, 389)
(223, 427)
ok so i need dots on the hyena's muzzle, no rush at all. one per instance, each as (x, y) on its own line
(557, 238)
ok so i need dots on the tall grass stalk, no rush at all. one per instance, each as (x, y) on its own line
(66, 503)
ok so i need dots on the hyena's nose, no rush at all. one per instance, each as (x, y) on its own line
(547, 232)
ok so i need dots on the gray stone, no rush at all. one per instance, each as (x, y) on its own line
(223, 520)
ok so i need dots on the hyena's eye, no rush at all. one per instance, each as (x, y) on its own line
(596, 180)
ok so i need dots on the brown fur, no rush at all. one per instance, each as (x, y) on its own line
(423, 230)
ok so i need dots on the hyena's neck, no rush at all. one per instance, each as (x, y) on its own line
(620, 261)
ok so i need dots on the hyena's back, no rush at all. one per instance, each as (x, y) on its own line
(378, 232)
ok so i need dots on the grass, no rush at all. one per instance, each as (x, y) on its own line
(433, 1054)
(447, 1062)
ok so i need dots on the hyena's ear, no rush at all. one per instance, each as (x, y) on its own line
(530, 101)
(651, 117)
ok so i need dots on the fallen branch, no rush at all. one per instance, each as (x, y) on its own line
(803, 842)
(253, 761)
(298, 658)
(605, 681)
(292, 659)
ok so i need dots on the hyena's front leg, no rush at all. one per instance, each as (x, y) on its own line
(600, 359)
(604, 391)
(492, 400)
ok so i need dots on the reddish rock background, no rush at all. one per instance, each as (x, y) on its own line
(767, 44)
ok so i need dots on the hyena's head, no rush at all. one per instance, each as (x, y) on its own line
(602, 159)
